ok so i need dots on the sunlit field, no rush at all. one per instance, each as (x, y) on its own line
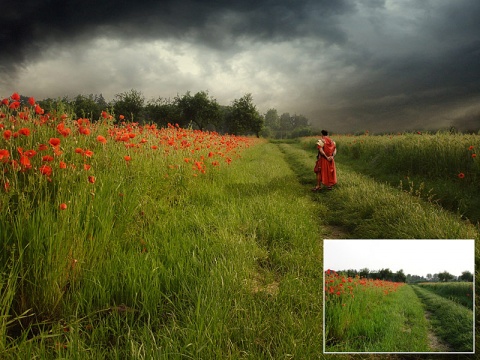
(366, 315)
(122, 240)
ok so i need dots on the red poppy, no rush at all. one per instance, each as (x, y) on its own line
(15, 96)
(91, 179)
(54, 141)
(474, 156)
(79, 150)
(46, 170)
(63, 206)
(127, 158)
(101, 139)
(86, 167)
(7, 134)
(25, 162)
(5, 102)
(42, 147)
(47, 158)
(62, 165)
(31, 101)
(461, 175)
(30, 153)
(4, 155)
(14, 105)
(24, 131)
(470, 147)
(39, 110)
(88, 153)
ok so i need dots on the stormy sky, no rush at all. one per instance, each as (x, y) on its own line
(347, 65)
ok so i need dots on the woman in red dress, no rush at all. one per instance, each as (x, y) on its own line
(325, 166)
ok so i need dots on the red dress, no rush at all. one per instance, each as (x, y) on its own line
(329, 171)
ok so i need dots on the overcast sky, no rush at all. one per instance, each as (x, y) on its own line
(348, 65)
(416, 257)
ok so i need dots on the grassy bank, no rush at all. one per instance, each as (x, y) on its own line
(373, 316)
(450, 320)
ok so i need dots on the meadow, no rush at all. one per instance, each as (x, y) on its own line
(128, 241)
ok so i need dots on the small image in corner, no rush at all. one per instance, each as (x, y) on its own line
(399, 296)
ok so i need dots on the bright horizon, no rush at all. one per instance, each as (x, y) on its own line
(415, 257)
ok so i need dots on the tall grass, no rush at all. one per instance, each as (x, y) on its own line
(451, 321)
(460, 292)
(441, 167)
(372, 316)
(202, 247)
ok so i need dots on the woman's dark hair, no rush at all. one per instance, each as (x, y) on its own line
(324, 132)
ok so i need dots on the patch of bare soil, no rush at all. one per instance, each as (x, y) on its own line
(435, 343)
(336, 232)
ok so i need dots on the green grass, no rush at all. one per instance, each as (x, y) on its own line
(156, 260)
(450, 320)
(460, 292)
(375, 322)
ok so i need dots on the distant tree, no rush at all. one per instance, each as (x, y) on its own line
(364, 272)
(272, 120)
(162, 111)
(198, 109)
(89, 107)
(429, 277)
(400, 276)
(445, 276)
(466, 276)
(130, 105)
(386, 274)
(243, 117)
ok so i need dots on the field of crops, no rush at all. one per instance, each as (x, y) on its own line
(124, 240)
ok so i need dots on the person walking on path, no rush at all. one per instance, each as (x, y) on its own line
(325, 166)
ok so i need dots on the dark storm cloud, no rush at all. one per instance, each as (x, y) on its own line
(347, 65)
(29, 27)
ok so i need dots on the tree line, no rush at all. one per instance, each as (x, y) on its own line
(199, 111)
(399, 276)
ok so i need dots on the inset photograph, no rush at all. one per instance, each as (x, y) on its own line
(399, 296)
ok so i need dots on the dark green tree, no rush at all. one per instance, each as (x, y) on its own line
(199, 109)
(445, 276)
(400, 276)
(162, 112)
(466, 276)
(243, 117)
(130, 105)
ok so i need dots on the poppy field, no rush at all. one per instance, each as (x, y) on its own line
(367, 315)
(122, 240)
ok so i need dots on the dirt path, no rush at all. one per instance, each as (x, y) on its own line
(435, 343)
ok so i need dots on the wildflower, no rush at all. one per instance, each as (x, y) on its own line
(47, 158)
(470, 147)
(127, 158)
(461, 175)
(39, 110)
(63, 206)
(121, 117)
(24, 131)
(91, 179)
(86, 167)
(4, 155)
(88, 153)
(79, 150)
(31, 101)
(62, 165)
(7, 134)
(54, 141)
(30, 153)
(15, 96)
(101, 139)
(474, 156)
(14, 105)
(45, 170)
(42, 147)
